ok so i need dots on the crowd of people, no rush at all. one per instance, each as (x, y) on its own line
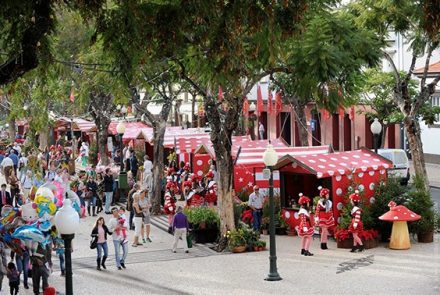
(96, 190)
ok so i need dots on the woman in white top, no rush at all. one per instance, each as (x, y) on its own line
(27, 181)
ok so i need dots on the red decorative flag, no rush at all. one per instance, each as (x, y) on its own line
(351, 113)
(259, 101)
(269, 102)
(278, 103)
(72, 95)
(245, 107)
(325, 114)
(220, 94)
(341, 111)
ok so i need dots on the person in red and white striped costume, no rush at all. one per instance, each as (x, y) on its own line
(324, 215)
(356, 225)
(305, 229)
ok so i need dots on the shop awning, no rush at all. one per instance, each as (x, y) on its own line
(252, 152)
(339, 163)
(133, 130)
(83, 125)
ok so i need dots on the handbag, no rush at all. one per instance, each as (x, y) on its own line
(88, 195)
(94, 243)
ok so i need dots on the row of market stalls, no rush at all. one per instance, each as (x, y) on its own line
(299, 169)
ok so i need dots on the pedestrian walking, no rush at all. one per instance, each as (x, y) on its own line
(27, 182)
(261, 130)
(100, 192)
(148, 174)
(5, 197)
(130, 204)
(180, 228)
(356, 226)
(142, 206)
(39, 259)
(324, 215)
(108, 189)
(100, 232)
(305, 230)
(91, 195)
(116, 226)
(14, 278)
(84, 153)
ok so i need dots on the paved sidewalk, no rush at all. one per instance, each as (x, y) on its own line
(433, 171)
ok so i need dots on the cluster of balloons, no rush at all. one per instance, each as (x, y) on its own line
(33, 222)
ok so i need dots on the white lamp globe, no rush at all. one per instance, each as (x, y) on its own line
(376, 127)
(25, 107)
(124, 109)
(118, 107)
(67, 219)
(120, 128)
(252, 107)
(270, 156)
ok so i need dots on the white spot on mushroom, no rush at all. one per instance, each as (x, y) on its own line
(319, 174)
(371, 186)
(412, 215)
(331, 172)
(344, 157)
(349, 176)
(356, 156)
(332, 165)
(321, 166)
(386, 166)
(334, 159)
(375, 167)
(396, 217)
(338, 177)
(350, 189)
(361, 187)
(294, 165)
(343, 164)
(371, 173)
(372, 200)
(312, 161)
(287, 214)
(361, 175)
(367, 155)
(295, 215)
(340, 206)
(200, 173)
(382, 171)
(354, 163)
(199, 162)
(341, 171)
(339, 191)
(365, 161)
(364, 168)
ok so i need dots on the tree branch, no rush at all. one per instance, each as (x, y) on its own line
(425, 70)
(411, 68)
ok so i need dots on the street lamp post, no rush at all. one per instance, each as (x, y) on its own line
(376, 129)
(270, 159)
(122, 179)
(67, 222)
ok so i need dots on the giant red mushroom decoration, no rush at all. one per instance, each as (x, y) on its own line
(399, 215)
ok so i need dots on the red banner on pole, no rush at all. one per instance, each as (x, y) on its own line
(245, 107)
(278, 103)
(351, 114)
(259, 101)
(269, 102)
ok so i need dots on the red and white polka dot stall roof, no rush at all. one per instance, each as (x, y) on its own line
(251, 153)
(341, 163)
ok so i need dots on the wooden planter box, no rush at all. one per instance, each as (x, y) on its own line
(348, 243)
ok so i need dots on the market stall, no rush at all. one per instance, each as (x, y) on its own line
(341, 172)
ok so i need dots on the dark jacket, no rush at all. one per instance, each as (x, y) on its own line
(108, 183)
(106, 231)
(8, 199)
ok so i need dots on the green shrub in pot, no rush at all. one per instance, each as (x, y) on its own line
(203, 217)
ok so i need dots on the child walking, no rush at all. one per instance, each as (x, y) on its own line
(14, 278)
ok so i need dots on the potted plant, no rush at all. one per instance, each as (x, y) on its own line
(280, 225)
(265, 225)
(420, 202)
(236, 241)
(205, 223)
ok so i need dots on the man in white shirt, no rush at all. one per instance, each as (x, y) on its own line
(17, 148)
(22, 165)
(148, 176)
(117, 225)
(256, 203)
(26, 183)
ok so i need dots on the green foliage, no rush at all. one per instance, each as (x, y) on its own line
(202, 215)
(277, 206)
(93, 153)
(242, 236)
(420, 202)
(391, 190)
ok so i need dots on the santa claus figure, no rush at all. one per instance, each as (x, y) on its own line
(169, 206)
(356, 225)
(324, 215)
(305, 229)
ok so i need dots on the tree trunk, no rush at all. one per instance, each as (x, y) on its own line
(11, 130)
(302, 125)
(383, 136)
(158, 165)
(225, 202)
(101, 140)
(416, 147)
(193, 110)
(44, 138)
